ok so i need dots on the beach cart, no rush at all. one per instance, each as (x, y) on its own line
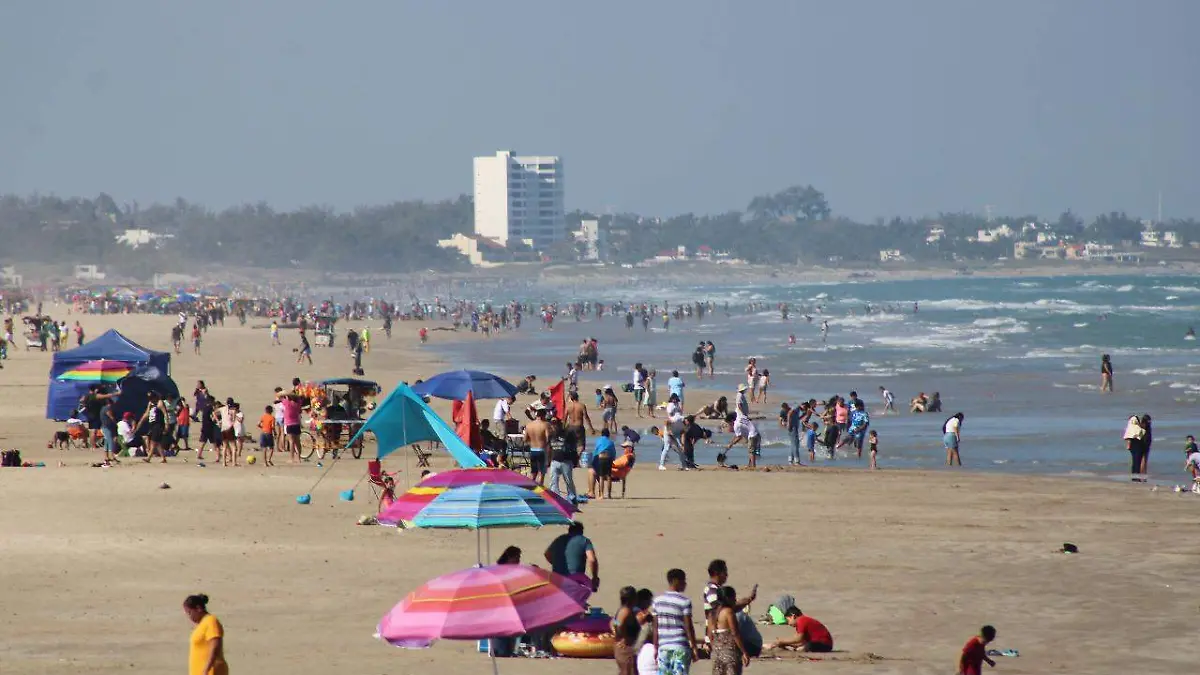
(323, 331)
(337, 408)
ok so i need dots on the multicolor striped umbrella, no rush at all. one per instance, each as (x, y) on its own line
(487, 505)
(97, 371)
(478, 603)
(409, 504)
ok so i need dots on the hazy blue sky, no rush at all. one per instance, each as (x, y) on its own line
(662, 107)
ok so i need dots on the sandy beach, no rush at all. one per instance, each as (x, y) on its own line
(903, 566)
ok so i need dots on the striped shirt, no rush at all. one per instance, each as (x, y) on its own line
(672, 611)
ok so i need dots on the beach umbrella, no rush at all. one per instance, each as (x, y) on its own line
(409, 504)
(102, 370)
(455, 384)
(487, 506)
(480, 603)
(476, 507)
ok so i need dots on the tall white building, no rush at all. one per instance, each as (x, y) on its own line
(519, 198)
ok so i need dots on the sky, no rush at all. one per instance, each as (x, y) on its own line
(664, 107)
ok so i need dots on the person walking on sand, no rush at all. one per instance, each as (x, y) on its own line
(304, 353)
(275, 333)
(206, 647)
(974, 653)
(951, 437)
(651, 395)
(674, 636)
(752, 379)
(1106, 374)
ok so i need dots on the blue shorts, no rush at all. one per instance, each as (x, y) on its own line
(266, 441)
(951, 441)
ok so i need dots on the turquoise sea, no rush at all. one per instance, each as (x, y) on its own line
(1020, 357)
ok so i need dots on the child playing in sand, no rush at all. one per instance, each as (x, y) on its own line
(974, 653)
(266, 440)
(873, 444)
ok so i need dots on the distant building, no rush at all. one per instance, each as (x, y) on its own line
(485, 252)
(9, 277)
(89, 273)
(991, 235)
(136, 238)
(593, 238)
(518, 197)
(891, 255)
(935, 235)
(1152, 238)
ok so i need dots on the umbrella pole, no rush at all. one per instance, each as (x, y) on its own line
(495, 666)
(489, 545)
(478, 552)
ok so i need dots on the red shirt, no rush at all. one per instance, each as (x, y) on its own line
(971, 662)
(813, 630)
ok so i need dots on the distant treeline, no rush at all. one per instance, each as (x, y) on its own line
(398, 237)
(795, 224)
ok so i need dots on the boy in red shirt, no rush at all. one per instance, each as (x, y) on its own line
(811, 635)
(974, 654)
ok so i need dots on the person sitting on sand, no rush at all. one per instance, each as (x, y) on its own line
(811, 635)
(715, 410)
(919, 404)
(387, 496)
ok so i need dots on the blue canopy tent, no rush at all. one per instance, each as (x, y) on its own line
(62, 397)
(404, 418)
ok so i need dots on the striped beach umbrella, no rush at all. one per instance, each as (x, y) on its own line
(408, 505)
(479, 603)
(487, 505)
(102, 370)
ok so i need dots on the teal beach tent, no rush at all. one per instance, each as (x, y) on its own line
(404, 418)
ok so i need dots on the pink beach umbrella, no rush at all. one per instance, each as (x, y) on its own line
(481, 603)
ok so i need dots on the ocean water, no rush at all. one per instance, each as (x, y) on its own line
(1019, 357)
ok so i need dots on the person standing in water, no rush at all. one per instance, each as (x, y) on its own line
(951, 437)
(1106, 374)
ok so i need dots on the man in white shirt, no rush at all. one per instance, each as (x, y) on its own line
(744, 429)
(127, 430)
(572, 377)
(502, 412)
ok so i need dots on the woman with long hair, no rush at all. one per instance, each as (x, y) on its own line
(1135, 443)
(625, 628)
(729, 654)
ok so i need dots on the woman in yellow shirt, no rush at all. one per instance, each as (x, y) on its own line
(206, 651)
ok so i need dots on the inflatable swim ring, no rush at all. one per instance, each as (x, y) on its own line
(583, 645)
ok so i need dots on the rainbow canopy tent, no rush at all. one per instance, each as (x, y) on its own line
(404, 418)
(62, 396)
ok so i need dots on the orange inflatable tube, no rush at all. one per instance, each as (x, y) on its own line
(583, 645)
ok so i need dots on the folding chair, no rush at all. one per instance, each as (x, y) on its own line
(422, 455)
(375, 476)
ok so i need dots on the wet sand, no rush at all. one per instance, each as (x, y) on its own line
(902, 566)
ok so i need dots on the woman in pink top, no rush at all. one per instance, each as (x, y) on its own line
(291, 425)
(841, 414)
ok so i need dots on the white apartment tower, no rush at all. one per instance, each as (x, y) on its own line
(519, 198)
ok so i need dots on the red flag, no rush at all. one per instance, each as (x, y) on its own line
(558, 397)
(466, 421)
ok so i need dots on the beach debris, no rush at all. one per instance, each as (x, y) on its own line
(346, 495)
(304, 499)
(1068, 547)
(367, 520)
(1004, 652)
(164, 486)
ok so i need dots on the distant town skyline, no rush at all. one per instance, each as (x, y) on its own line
(890, 109)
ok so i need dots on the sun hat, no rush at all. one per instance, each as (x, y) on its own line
(741, 387)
